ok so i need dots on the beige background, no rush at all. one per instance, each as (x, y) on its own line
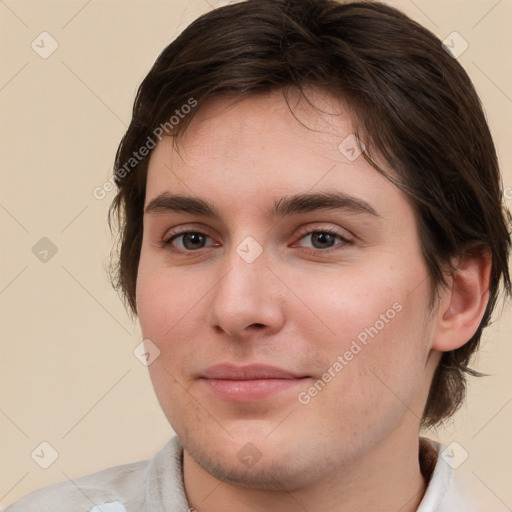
(68, 376)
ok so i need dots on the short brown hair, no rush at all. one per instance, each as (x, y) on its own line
(414, 106)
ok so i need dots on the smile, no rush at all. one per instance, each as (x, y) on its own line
(249, 383)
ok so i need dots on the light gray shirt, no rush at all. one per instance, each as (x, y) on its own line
(157, 485)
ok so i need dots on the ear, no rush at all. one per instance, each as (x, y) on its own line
(463, 305)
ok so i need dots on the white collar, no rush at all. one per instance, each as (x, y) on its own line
(444, 493)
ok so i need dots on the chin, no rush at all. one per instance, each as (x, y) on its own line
(265, 475)
(269, 468)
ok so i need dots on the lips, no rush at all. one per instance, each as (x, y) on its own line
(250, 372)
(249, 383)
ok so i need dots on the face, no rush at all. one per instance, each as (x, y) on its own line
(291, 331)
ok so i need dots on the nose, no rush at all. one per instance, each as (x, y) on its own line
(247, 298)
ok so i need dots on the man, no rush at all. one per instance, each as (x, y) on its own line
(313, 239)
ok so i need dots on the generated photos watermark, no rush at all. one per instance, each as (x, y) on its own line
(159, 132)
(361, 341)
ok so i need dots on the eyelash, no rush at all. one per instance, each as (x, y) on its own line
(166, 243)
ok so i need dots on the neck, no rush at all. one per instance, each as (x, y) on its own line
(386, 479)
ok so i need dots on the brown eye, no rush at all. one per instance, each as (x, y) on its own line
(324, 239)
(190, 241)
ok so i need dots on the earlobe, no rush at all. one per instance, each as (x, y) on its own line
(464, 304)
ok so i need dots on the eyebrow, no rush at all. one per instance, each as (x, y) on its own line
(285, 206)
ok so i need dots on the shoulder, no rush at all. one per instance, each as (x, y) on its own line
(120, 487)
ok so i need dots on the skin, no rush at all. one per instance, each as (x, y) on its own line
(299, 305)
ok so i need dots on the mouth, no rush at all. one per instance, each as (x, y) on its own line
(249, 383)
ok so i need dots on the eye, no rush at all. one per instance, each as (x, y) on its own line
(324, 239)
(189, 241)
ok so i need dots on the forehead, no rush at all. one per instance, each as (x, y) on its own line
(260, 148)
(227, 126)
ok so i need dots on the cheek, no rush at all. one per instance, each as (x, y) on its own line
(353, 305)
(382, 359)
(371, 334)
(164, 299)
(165, 305)
(172, 309)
